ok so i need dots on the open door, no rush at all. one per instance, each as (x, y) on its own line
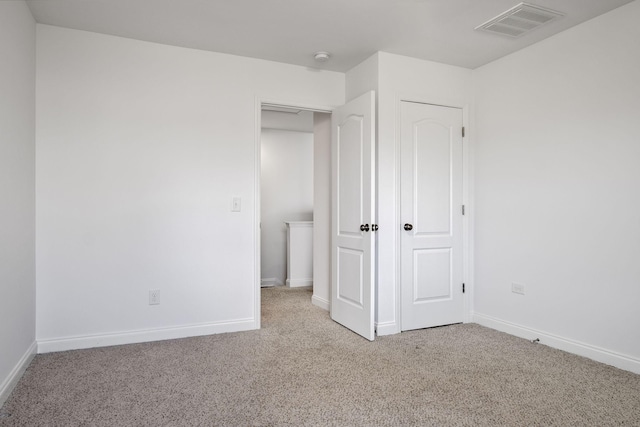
(353, 216)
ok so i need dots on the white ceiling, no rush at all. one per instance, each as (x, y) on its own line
(291, 31)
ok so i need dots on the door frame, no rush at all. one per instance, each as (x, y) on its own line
(258, 103)
(467, 201)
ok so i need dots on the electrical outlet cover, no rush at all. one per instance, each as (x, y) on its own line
(517, 288)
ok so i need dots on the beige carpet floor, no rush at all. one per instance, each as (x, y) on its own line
(303, 369)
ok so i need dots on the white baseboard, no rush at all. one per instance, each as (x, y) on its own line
(387, 328)
(298, 283)
(16, 373)
(320, 302)
(598, 354)
(270, 281)
(144, 335)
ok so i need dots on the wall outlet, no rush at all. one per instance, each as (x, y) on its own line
(517, 288)
(154, 296)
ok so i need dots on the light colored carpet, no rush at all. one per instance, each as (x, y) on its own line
(304, 369)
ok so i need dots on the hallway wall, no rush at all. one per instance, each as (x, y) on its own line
(286, 195)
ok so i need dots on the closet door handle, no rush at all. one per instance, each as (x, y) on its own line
(408, 227)
(364, 227)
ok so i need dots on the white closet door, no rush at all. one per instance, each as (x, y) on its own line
(431, 215)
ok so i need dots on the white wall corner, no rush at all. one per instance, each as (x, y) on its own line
(300, 283)
(16, 373)
(320, 302)
(362, 78)
(598, 354)
(468, 303)
(387, 328)
(271, 281)
(144, 335)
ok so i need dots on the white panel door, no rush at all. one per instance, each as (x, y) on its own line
(431, 215)
(353, 154)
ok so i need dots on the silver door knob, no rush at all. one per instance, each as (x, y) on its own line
(408, 227)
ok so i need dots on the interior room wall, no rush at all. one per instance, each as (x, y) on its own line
(322, 210)
(286, 195)
(556, 190)
(362, 78)
(396, 77)
(17, 192)
(141, 148)
(298, 120)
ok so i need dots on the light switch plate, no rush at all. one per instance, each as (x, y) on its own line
(236, 204)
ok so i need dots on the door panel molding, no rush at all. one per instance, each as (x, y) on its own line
(350, 292)
(350, 203)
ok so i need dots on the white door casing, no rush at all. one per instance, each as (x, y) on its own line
(353, 215)
(431, 203)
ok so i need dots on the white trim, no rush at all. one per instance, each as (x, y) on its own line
(16, 373)
(320, 302)
(270, 281)
(387, 328)
(397, 243)
(299, 283)
(295, 105)
(143, 335)
(259, 100)
(598, 354)
(467, 235)
(257, 226)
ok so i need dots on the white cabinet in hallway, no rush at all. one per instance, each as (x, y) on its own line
(299, 253)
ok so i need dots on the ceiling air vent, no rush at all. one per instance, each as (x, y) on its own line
(519, 20)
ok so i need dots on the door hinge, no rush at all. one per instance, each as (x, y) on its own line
(463, 288)
(463, 131)
(462, 209)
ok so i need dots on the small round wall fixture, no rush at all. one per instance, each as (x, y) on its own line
(321, 56)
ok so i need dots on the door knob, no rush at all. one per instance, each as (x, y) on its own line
(364, 227)
(408, 227)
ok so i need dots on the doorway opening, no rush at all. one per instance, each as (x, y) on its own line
(295, 199)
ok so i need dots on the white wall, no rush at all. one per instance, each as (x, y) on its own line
(363, 77)
(556, 190)
(286, 195)
(17, 192)
(405, 78)
(396, 78)
(140, 149)
(322, 210)
(302, 121)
